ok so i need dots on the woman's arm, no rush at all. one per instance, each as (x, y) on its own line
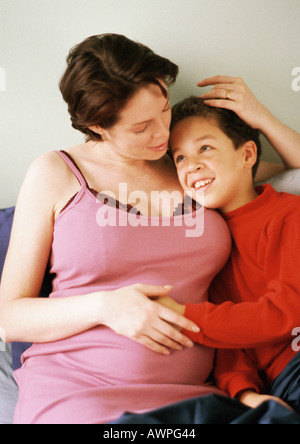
(242, 101)
(26, 317)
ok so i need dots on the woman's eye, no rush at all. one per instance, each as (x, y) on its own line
(141, 131)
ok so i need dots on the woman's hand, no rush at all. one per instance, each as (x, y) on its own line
(131, 312)
(253, 399)
(232, 93)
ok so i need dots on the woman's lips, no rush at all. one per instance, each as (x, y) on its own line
(161, 147)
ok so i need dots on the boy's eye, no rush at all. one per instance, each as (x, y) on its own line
(179, 158)
(205, 148)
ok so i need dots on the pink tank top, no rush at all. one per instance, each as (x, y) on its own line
(100, 247)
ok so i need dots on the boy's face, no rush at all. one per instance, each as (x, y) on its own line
(208, 164)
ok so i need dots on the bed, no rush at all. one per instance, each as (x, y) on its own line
(10, 354)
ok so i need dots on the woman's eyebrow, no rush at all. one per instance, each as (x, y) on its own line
(140, 123)
(146, 121)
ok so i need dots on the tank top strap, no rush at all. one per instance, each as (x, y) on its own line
(72, 164)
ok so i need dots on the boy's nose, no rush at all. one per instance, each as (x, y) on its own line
(195, 166)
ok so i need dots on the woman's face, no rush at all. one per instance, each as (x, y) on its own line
(142, 132)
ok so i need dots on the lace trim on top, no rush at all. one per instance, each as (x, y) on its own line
(189, 205)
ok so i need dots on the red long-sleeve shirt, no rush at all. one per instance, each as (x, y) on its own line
(257, 295)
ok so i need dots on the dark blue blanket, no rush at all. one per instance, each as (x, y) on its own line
(214, 409)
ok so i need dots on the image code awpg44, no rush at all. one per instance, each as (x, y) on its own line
(143, 432)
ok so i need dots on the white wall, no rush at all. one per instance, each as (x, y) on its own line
(256, 39)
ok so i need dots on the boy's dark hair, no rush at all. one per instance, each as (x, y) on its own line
(238, 131)
(103, 73)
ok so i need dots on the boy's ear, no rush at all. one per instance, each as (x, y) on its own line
(249, 154)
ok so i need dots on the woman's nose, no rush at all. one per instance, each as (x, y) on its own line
(162, 130)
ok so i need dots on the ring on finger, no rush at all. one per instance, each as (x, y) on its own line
(227, 94)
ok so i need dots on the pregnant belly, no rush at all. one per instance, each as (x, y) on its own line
(116, 360)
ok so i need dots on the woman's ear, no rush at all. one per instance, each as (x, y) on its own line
(98, 130)
(249, 154)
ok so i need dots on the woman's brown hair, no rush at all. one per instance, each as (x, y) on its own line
(103, 73)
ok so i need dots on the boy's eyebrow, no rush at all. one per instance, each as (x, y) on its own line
(174, 150)
(208, 136)
(199, 139)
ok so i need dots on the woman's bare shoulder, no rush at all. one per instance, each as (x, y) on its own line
(45, 165)
(49, 180)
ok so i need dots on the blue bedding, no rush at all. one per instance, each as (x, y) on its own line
(214, 409)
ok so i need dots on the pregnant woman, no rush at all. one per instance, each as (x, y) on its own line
(112, 222)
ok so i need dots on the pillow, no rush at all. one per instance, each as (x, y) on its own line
(288, 182)
(6, 219)
(8, 387)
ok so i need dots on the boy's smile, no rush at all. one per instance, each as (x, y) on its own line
(207, 161)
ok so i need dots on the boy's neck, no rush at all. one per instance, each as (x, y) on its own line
(242, 198)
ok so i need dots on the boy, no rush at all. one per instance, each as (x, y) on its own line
(256, 298)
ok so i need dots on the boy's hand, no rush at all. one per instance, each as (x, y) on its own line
(169, 303)
(253, 399)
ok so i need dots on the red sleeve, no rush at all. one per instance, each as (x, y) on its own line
(235, 371)
(273, 316)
